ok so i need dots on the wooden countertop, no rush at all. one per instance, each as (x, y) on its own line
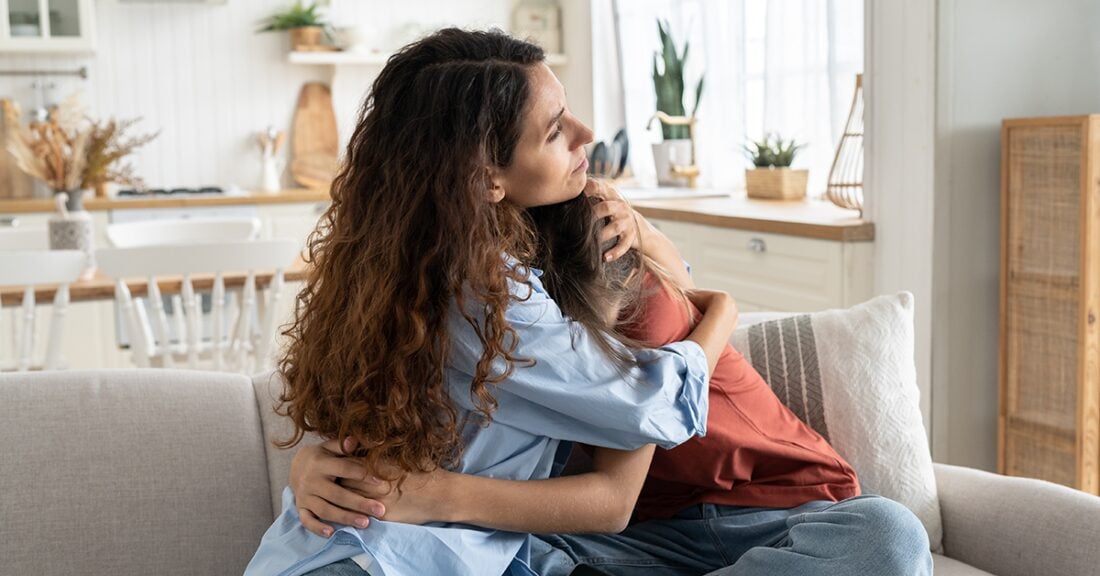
(282, 197)
(806, 218)
(101, 287)
(809, 219)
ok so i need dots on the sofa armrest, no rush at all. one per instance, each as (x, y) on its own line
(1017, 526)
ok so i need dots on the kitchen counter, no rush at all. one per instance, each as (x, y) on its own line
(808, 219)
(290, 196)
(805, 218)
(100, 287)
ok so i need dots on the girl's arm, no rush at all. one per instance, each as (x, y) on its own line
(598, 501)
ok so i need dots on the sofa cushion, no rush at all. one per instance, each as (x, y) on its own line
(130, 472)
(850, 375)
(944, 566)
(268, 386)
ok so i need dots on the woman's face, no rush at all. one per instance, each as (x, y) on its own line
(549, 165)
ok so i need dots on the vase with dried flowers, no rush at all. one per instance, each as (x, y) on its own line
(55, 152)
(108, 143)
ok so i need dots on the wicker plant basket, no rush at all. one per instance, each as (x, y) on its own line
(305, 38)
(776, 183)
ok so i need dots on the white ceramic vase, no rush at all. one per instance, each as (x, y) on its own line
(669, 153)
(71, 227)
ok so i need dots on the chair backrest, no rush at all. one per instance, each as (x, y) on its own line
(20, 238)
(188, 231)
(236, 342)
(30, 268)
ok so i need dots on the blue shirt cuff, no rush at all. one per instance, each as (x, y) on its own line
(693, 399)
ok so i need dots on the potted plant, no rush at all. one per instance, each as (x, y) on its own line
(305, 25)
(772, 177)
(668, 81)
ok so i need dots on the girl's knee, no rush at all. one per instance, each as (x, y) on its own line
(901, 538)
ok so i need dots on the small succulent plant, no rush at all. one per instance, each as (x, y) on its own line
(668, 81)
(772, 151)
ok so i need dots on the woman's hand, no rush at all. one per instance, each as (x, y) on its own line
(625, 223)
(423, 497)
(314, 475)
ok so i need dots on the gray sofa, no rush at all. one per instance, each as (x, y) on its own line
(141, 472)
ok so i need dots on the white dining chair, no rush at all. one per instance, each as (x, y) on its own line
(28, 269)
(235, 343)
(23, 238)
(182, 231)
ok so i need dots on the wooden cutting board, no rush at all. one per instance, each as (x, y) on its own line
(14, 183)
(314, 141)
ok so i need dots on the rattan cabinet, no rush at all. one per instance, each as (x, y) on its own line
(1049, 423)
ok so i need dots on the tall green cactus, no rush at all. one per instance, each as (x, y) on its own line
(669, 83)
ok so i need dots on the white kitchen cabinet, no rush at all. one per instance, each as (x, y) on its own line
(295, 220)
(55, 26)
(774, 272)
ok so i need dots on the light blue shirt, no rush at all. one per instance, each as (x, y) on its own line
(572, 393)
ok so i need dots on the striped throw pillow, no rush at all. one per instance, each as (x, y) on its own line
(850, 375)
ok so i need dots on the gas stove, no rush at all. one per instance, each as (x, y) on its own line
(174, 192)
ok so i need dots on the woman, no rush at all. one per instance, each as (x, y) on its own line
(762, 493)
(423, 332)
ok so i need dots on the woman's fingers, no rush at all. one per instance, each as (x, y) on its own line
(622, 223)
(332, 446)
(624, 228)
(341, 467)
(325, 510)
(352, 500)
(596, 188)
(612, 208)
(311, 523)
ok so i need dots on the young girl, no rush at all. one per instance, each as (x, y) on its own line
(424, 333)
(761, 493)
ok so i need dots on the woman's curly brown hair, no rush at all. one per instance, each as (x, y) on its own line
(408, 232)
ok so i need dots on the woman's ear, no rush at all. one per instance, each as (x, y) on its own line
(494, 189)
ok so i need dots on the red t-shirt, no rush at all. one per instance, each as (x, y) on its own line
(756, 451)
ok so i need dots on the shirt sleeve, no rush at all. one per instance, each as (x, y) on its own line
(575, 392)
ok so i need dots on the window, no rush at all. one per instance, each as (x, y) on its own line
(771, 66)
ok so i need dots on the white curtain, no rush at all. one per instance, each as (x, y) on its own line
(772, 66)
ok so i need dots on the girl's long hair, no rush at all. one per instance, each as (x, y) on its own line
(585, 287)
(576, 277)
(409, 231)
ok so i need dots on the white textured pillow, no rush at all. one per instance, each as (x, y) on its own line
(850, 375)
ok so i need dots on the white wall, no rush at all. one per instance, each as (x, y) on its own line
(195, 72)
(899, 94)
(996, 59)
(200, 75)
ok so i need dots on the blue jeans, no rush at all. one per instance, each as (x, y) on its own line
(866, 535)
